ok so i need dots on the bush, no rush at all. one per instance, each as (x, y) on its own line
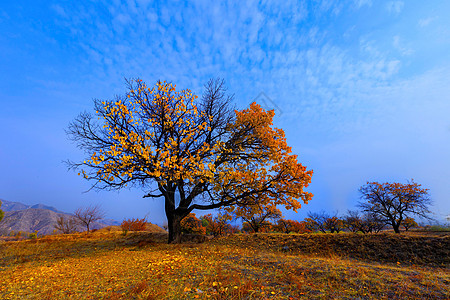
(33, 235)
(133, 225)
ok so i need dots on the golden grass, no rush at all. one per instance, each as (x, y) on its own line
(108, 265)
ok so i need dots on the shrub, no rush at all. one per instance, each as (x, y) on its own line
(33, 235)
(133, 225)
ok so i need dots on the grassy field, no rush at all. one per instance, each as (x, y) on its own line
(108, 265)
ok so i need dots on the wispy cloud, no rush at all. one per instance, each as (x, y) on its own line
(427, 21)
(395, 6)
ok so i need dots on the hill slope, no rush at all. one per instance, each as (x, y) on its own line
(40, 217)
(32, 219)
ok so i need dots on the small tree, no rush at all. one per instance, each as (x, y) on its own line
(371, 223)
(316, 221)
(258, 216)
(191, 224)
(2, 213)
(393, 202)
(216, 225)
(352, 221)
(409, 223)
(288, 226)
(66, 225)
(333, 224)
(86, 216)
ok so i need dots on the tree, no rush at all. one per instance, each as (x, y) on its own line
(352, 221)
(86, 216)
(333, 224)
(191, 224)
(216, 225)
(2, 213)
(258, 216)
(288, 226)
(316, 221)
(372, 223)
(393, 202)
(66, 225)
(194, 153)
(409, 223)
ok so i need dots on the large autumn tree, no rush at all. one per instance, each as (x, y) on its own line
(392, 203)
(195, 153)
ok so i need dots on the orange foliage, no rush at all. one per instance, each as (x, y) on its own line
(409, 223)
(191, 224)
(133, 224)
(288, 226)
(217, 225)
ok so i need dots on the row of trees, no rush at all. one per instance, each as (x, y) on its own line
(353, 221)
(219, 225)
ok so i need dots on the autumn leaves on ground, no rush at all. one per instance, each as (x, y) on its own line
(140, 265)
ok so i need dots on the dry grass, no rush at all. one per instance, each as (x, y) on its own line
(108, 265)
(428, 249)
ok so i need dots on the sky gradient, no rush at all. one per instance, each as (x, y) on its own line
(361, 88)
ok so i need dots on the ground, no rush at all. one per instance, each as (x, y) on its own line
(108, 265)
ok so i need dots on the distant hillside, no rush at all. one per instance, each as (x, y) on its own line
(13, 206)
(40, 217)
(32, 219)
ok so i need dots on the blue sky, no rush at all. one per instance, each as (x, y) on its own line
(361, 88)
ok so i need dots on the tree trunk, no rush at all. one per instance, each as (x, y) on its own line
(396, 227)
(174, 226)
(173, 219)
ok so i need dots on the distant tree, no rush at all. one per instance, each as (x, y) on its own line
(200, 151)
(288, 226)
(258, 216)
(352, 221)
(66, 225)
(191, 224)
(316, 221)
(393, 202)
(372, 223)
(87, 215)
(333, 224)
(409, 223)
(216, 225)
(2, 213)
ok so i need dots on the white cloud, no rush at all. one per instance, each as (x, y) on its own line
(395, 6)
(427, 21)
(399, 45)
(361, 3)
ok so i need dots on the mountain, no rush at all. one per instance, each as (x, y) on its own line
(10, 206)
(13, 206)
(40, 217)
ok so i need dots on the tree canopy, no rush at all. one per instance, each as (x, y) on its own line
(195, 153)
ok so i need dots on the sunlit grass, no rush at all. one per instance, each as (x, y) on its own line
(142, 266)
